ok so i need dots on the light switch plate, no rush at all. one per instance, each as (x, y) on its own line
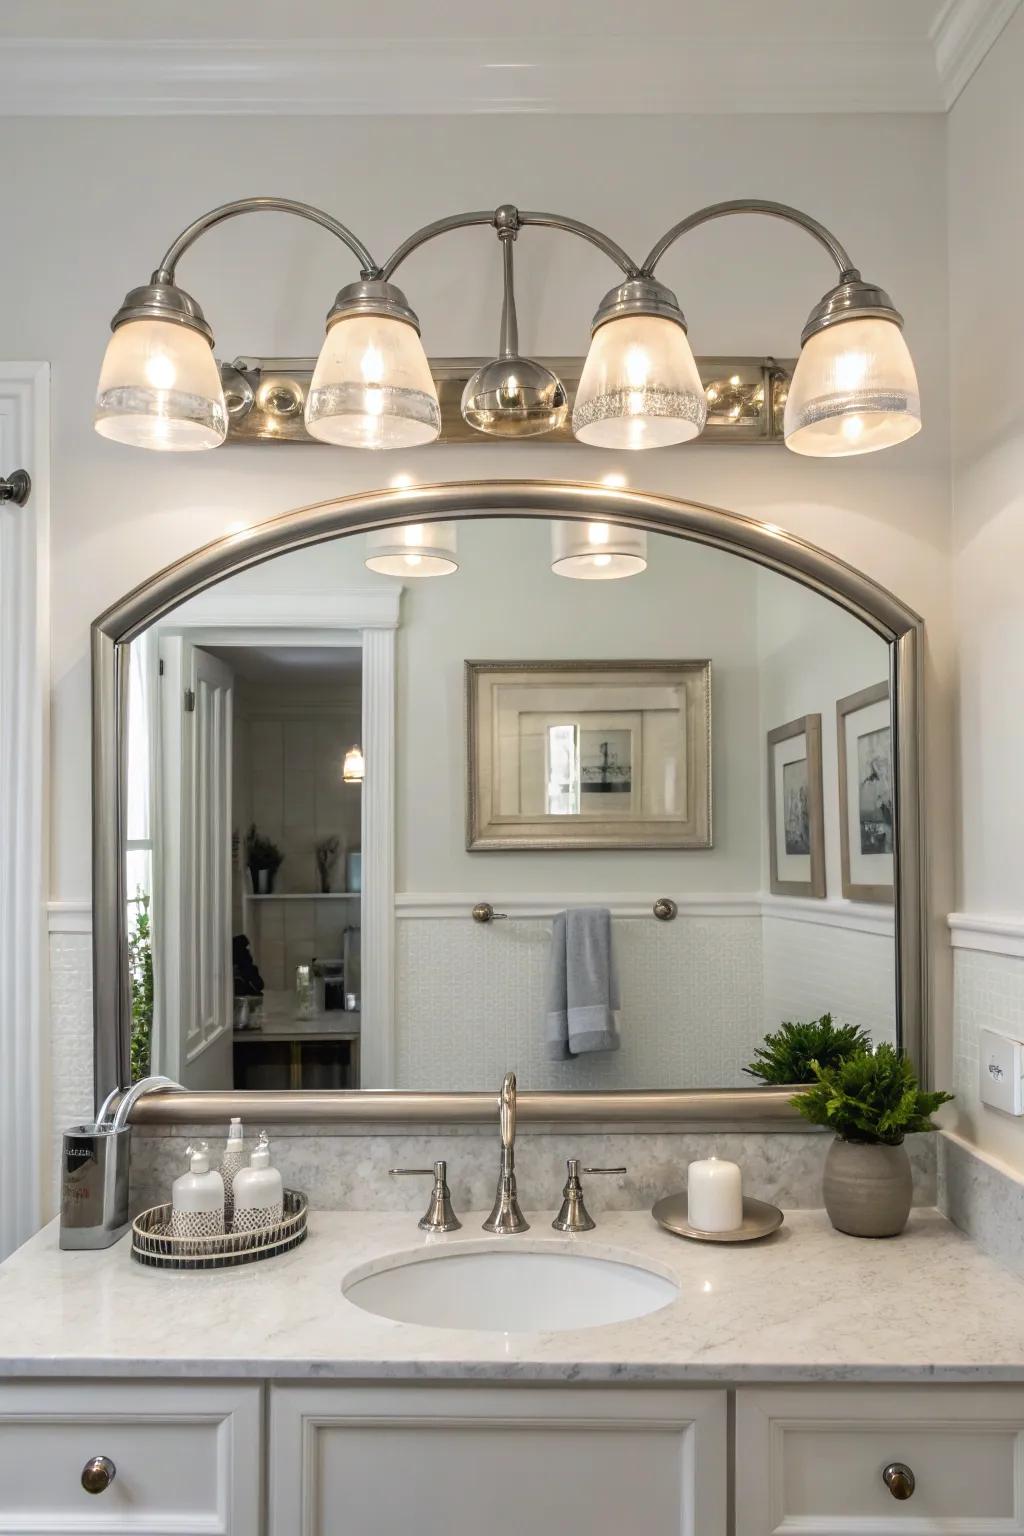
(1001, 1072)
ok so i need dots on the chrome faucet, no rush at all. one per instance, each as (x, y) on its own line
(506, 1217)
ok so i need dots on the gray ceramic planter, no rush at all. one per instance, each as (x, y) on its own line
(868, 1188)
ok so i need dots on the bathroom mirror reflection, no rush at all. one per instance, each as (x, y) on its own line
(306, 749)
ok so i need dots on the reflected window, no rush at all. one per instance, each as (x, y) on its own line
(563, 770)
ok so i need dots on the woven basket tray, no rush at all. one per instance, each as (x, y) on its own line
(153, 1244)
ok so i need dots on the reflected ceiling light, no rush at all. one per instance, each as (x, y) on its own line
(597, 551)
(854, 389)
(372, 386)
(513, 396)
(354, 769)
(418, 549)
(159, 384)
(639, 387)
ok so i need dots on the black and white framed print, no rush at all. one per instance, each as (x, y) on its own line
(866, 825)
(796, 820)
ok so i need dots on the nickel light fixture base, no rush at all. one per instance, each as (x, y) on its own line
(854, 388)
(266, 396)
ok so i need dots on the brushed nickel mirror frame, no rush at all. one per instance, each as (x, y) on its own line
(762, 543)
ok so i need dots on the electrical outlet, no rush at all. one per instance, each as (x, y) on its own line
(1001, 1072)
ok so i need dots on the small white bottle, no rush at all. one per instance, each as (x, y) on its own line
(233, 1160)
(259, 1191)
(197, 1197)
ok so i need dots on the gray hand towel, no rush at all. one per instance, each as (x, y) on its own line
(583, 986)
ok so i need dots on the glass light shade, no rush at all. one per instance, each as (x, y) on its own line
(418, 549)
(597, 551)
(160, 388)
(854, 390)
(640, 387)
(372, 387)
(354, 770)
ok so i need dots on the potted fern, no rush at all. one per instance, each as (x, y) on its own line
(871, 1101)
(788, 1055)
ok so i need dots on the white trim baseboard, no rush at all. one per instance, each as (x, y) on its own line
(1002, 935)
(69, 916)
(855, 916)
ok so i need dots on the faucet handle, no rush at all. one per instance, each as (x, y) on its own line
(573, 1215)
(439, 1216)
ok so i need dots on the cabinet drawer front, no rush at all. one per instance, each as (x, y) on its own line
(186, 1458)
(811, 1461)
(442, 1461)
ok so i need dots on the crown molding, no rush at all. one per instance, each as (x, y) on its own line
(961, 35)
(758, 72)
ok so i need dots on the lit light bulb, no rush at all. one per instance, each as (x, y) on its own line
(160, 388)
(853, 428)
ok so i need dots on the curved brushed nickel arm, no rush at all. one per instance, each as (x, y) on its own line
(479, 216)
(824, 236)
(188, 237)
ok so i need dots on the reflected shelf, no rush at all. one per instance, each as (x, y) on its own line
(303, 896)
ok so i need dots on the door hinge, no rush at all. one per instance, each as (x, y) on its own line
(190, 701)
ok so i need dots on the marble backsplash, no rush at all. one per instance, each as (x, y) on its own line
(341, 1170)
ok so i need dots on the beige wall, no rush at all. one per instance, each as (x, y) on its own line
(986, 218)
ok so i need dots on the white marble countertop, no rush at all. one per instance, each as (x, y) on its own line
(806, 1304)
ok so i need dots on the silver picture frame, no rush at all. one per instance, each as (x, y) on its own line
(808, 813)
(595, 824)
(866, 702)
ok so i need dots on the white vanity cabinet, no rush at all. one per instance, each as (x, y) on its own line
(504, 1461)
(810, 1460)
(181, 1458)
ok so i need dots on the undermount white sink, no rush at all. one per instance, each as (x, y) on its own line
(510, 1290)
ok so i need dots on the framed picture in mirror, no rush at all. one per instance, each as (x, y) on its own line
(588, 754)
(866, 823)
(796, 819)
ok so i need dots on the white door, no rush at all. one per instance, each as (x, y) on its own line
(192, 922)
(24, 679)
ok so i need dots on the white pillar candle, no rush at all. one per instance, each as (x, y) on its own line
(714, 1195)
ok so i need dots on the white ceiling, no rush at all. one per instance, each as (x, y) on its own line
(330, 56)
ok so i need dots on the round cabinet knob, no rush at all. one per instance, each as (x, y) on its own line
(899, 1479)
(98, 1474)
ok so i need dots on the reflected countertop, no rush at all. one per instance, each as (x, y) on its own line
(807, 1304)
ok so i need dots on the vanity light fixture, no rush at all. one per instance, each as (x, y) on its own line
(597, 551)
(513, 396)
(417, 549)
(354, 768)
(854, 389)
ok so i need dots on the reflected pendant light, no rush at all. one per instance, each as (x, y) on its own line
(354, 769)
(854, 388)
(372, 386)
(597, 551)
(513, 396)
(417, 549)
(160, 386)
(640, 387)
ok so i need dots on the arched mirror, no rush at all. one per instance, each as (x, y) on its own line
(399, 792)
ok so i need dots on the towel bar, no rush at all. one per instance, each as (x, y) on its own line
(664, 910)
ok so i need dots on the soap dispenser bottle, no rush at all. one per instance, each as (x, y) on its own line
(259, 1192)
(233, 1160)
(197, 1197)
